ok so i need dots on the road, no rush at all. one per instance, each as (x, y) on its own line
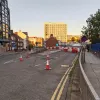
(28, 80)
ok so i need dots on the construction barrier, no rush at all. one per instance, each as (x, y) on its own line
(70, 49)
(65, 49)
(74, 50)
(21, 58)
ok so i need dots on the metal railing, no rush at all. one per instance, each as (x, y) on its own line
(86, 88)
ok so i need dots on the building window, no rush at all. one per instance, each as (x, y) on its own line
(0, 35)
(4, 19)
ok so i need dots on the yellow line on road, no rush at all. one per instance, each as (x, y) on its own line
(54, 95)
(63, 84)
(62, 87)
(74, 60)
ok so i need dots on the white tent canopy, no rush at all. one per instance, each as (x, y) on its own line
(88, 41)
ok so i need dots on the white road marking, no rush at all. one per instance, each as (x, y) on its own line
(64, 65)
(49, 52)
(55, 51)
(38, 65)
(8, 61)
(15, 61)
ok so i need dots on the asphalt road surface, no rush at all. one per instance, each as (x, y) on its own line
(28, 80)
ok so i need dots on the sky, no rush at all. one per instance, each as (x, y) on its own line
(30, 15)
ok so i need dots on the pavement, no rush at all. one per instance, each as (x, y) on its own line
(20, 52)
(7, 53)
(11, 53)
(28, 80)
(92, 70)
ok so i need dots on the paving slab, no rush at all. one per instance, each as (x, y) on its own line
(92, 70)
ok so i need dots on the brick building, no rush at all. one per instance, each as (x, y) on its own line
(51, 42)
(16, 42)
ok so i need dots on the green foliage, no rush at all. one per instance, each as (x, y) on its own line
(73, 38)
(30, 46)
(92, 30)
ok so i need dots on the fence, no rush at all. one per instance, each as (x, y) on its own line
(95, 47)
(86, 89)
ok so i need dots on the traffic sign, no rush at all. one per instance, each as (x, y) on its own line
(84, 38)
(57, 44)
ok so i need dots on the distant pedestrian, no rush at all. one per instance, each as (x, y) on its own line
(88, 47)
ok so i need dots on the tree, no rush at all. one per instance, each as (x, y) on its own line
(30, 46)
(73, 39)
(92, 30)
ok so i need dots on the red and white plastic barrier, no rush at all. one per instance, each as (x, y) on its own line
(66, 49)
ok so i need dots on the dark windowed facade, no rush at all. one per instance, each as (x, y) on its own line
(4, 21)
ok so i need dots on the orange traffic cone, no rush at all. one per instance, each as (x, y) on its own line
(47, 65)
(21, 58)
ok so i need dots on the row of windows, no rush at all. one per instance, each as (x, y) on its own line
(4, 19)
(6, 22)
(63, 29)
(4, 36)
(56, 30)
(4, 13)
(4, 9)
(55, 25)
(61, 34)
(57, 37)
(6, 16)
(20, 44)
(4, 29)
(4, 3)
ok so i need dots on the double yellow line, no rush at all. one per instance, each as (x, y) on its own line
(62, 83)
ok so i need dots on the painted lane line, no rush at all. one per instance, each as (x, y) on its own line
(62, 84)
(64, 65)
(55, 92)
(49, 52)
(62, 87)
(16, 61)
(74, 60)
(38, 65)
(8, 61)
